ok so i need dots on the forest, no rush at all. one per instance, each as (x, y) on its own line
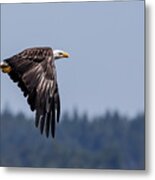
(108, 141)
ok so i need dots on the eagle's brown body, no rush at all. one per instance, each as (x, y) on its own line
(34, 71)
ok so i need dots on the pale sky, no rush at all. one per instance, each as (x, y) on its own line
(105, 41)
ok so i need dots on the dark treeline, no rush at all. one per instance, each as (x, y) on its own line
(110, 141)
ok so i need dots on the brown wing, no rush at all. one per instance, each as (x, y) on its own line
(34, 71)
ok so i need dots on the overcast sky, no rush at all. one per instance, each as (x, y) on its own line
(106, 44)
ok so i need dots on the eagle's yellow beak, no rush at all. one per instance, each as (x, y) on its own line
(65, 55)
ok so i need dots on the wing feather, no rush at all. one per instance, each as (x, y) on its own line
(57, 104)
(53, 118)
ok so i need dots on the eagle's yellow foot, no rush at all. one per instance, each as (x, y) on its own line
(5, 67)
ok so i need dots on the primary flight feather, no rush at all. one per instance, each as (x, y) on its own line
(34, 71)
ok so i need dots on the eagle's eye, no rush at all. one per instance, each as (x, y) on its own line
(60, 53)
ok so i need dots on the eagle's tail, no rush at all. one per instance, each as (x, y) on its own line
(5, 67)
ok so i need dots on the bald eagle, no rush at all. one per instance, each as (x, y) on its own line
(35, 74)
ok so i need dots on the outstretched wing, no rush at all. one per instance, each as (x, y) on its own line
(34, 71)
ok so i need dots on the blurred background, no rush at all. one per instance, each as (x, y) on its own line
(101, 86)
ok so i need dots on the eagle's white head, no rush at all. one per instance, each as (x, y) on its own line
(58, 54)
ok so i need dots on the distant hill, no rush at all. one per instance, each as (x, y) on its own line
(109, 142)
